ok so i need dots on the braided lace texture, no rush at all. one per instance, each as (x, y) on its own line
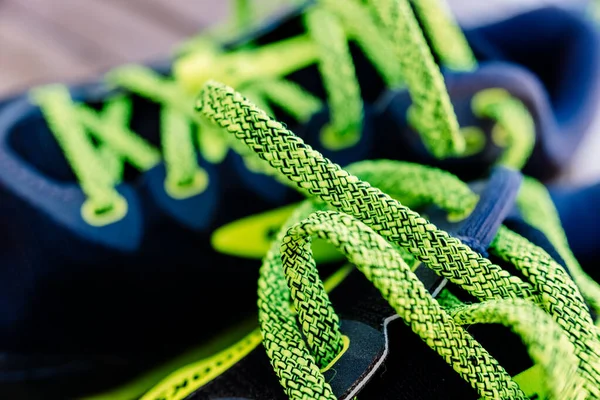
(539, 211)
(441, 136)
(514, 130)
(563, 322)
(445, 36)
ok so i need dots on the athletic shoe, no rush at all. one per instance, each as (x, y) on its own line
(104, 240)
(65, 188)
(343, 347)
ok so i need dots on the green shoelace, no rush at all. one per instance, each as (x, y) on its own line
(389, 27)
(376, 232)
(380, 30)
(514, 130)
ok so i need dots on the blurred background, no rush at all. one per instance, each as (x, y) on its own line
(71, 40)
(50, 40)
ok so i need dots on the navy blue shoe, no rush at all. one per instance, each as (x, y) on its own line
(113, 245)
(125, 216)
(336, 346)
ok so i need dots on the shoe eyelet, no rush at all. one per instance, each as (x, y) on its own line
(197, 185)
(99, 218)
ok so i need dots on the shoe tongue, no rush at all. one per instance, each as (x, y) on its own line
(496, 202)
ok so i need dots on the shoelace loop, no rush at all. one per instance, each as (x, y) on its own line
(399, 225)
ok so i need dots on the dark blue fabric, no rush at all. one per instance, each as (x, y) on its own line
(562, 48)
(495, 202)
(579, 211)
(195, 212)
(66, 289)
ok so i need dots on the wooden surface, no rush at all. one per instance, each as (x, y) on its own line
(69, 40)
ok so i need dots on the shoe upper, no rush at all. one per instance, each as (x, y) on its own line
(158, 260)
(102, 293)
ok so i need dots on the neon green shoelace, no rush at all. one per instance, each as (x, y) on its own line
(544, 306)
(514, 131)
(389, 28)
(377, 233)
